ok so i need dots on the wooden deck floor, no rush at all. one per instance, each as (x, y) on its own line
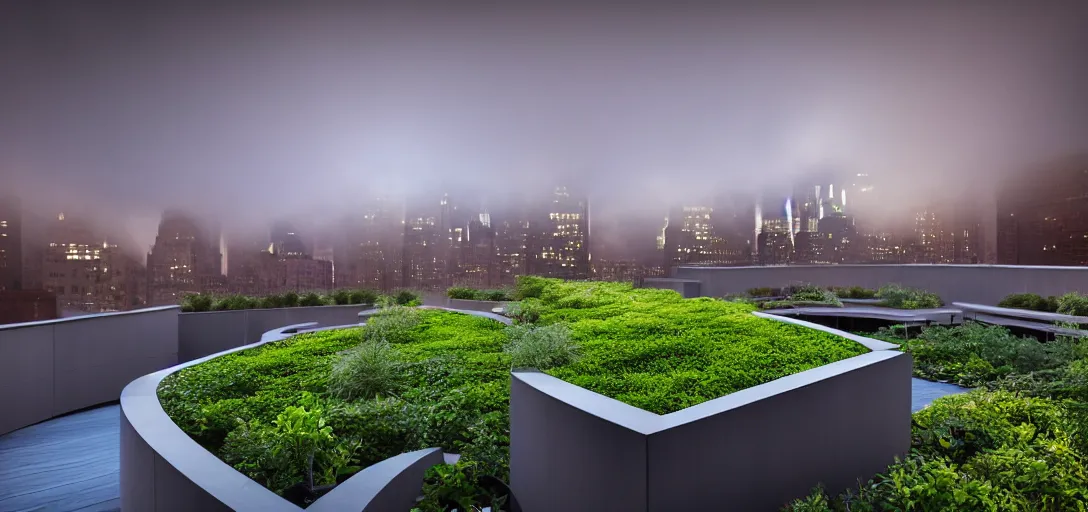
(72, 463)
(65, 464)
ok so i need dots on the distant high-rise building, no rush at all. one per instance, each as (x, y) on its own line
(425, 253)
(87, 272)
(11, 244)
(689, 237)
(185, 259)
(511, 246)
(561, 238)
(370, 247)
(286, 242)
(839, 237)
(1042, 217)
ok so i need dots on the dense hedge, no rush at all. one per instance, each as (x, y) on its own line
(1071, 303)
(201, 302)
(263, 410)
(854, 292)
(1018, 443)
(460, 292)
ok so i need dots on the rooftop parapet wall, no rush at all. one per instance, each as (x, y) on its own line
(54, 367)
(981, 284)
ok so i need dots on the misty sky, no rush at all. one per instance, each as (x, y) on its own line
(250, 109)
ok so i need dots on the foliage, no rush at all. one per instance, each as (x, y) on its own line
(974, 354)
(200, 302)
(649, 348)
(369, 370)
(526, 311)
(282, 454)
(540, 347)
(854, 292)
(463, 293)
(393, 324)
(407, 298)
(895, 296)
(812, 293)
(529, 287)
(762, 292)
(1029, 301)
(1074, 304)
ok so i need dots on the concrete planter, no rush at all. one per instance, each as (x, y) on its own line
(756, 449)
(163, 469)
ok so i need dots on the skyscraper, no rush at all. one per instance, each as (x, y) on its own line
(185, 259)
(11, 244)
(1042, 216)
(561, 239)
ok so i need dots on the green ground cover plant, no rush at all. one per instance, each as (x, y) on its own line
(463, 293)
(1030, 301)
(326, 404)
(899, 297)
(201, 302)
(1018, 443)
(854, 292)
(796, 297)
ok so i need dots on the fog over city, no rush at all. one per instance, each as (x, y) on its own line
(250, 111)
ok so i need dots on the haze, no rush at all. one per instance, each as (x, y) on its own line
(261, 110)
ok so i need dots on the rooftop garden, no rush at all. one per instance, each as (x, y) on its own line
(1018, 442)
(330, 403)
(201, 302)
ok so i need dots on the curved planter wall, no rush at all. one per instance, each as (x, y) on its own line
(211, 332)
(984, 284)
(756, 449)
(163, 469)
(55, 367)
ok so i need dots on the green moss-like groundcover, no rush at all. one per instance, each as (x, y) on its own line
(647, 348)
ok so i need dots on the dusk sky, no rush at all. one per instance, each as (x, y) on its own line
(249, 110)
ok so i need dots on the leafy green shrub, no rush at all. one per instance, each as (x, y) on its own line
(462, 293)
(525, 312)
(407, 298)
(812, 293)
(854, 292)
(362, 296)
(279, 455)
(312, 299)
(1029, 301)
(974, 354)
(392, 324)
(540, 347)
(290, 300)
(1074, 304)
(761, 292)
(196, 303)
(369, 370)
(529, 287)
(895, 296)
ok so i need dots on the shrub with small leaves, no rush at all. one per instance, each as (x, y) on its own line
(407, 298)
(196, 303)
(311, 299)
(362, 296)
(899, 297)
(1029, 301)
(1074, 304)
(527, 311)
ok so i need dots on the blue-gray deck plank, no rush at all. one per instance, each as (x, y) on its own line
(72, 464)
(65, 464)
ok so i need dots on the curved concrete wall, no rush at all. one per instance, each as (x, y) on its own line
(756, 449)
(55, 367)
(201, 334)
(163, 469)
(984, 284)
